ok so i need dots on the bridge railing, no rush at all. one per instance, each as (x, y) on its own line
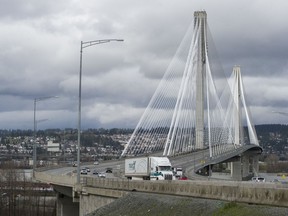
(249, 192)
(66, 180)
(230, 153)
(125, 184)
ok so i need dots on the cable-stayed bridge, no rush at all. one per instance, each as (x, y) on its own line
(199, 118)
(195, 106)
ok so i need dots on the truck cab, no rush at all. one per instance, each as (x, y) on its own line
(160, 168)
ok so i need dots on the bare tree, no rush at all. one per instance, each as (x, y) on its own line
(19, 195)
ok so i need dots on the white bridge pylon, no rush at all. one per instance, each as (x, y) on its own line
(240, 109)
(194, 108)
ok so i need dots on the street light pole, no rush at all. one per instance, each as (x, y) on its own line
(35, 123)
(84, 45)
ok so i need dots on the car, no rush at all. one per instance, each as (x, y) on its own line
(102, 175)
(258, 179)
(275, 181)
(83, 172)
(96, 163)
(87, 169)
(75, 163)
(183, 178)
(95, 172)
(108, 170)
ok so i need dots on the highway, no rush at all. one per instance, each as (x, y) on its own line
(101, 167)
(187, 161)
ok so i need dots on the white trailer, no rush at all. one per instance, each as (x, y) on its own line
(148, 168)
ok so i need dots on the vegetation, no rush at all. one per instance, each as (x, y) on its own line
(67, 131)
(19, 196)
(274, 165)
(136, 204)
(88, 137)
(273, 139)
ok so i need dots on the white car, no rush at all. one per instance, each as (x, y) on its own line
(102, 175)
(83, 172)
(96, 163)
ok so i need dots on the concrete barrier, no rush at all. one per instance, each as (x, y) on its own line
(94, 192)
(66, 180)
(248, 192)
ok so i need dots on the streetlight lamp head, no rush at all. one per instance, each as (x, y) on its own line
(35, 123)
(120, 40)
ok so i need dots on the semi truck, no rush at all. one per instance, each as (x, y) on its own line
(148, 168)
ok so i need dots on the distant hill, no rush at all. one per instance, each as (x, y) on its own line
(263, 130)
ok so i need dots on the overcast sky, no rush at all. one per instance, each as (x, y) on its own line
(40, 52)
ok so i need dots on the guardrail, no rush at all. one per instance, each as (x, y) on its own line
(249, 192)
(66, 180)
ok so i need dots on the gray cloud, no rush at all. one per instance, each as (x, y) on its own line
(40, 47)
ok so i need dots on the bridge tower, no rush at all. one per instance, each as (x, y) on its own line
(237, 107)
(200, 22)
(240, 169)
(193, 105)
(241, 110)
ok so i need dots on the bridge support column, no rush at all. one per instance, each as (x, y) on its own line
(255, 165)
(236, 172)
(66, 206)
(245, 165)
(90, 202)
(228, 165)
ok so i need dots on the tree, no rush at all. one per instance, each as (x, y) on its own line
(18, 196)
(272, 159)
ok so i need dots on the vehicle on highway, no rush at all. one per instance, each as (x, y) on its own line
(258, 179)
(96, 163)
(74, 163)
(87, 169)
(83, 172)
(148, 168)
(178, 172)
(95, 172)
(183, 178)
(102, 175)
(108, 170)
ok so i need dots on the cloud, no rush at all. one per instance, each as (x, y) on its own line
(117, 114)
(40, 53)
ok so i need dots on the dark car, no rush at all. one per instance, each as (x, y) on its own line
(95, 172)
(108, 170)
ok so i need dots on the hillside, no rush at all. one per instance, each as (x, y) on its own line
(143, 204)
